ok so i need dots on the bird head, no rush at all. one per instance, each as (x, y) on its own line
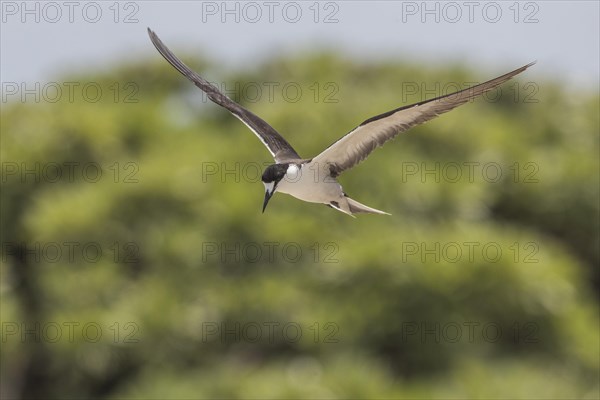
(271, 178)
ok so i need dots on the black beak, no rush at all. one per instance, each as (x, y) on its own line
(267, 198)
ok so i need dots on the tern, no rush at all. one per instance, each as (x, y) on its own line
(314, 180)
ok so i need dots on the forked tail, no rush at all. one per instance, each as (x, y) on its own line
(356, 207)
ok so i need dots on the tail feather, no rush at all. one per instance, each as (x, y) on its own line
(356, 207)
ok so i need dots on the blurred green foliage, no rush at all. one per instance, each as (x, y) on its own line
(416, 305)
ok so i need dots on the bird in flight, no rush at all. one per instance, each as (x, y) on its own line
(314, 179)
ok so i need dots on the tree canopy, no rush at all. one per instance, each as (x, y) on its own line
(136, 261)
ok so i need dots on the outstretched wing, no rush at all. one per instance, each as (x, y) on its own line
(280, 149)
(374, 132)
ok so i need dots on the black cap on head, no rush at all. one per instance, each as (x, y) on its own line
(274, 173)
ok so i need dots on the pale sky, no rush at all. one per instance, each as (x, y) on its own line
(42, 41)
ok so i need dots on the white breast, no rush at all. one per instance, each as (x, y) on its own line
(306, 184)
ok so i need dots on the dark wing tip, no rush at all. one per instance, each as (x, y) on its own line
(517, 71)
(156, 41)
(524, 67)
